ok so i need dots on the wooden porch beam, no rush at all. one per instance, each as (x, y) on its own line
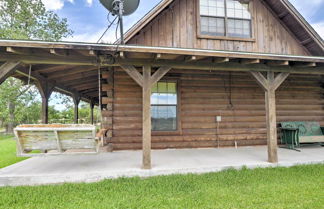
(7, 69)
(278, 63)
(176, 64)
(159, 74)
(263, 82)
(92, 53)
(190, 58)
(305, 64)
(270, 85)
(250, 61)
(280, 78)
(132, 72)
(16, 50)
(122, 55)
(60, 87)
(71, 72)
(220, 59)
(158, 56)
(57, 52)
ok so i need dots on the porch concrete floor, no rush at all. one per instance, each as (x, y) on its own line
(92, 168)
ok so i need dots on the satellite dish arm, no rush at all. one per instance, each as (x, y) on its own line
(121, 12)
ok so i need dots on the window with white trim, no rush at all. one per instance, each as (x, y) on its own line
(164, 106)
(227, 18)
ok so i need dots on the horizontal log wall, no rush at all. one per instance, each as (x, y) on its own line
(177, 27)
(205, 95)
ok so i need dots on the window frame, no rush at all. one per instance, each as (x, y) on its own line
(178, 130)
(226, 37)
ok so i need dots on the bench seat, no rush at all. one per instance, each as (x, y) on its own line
(294, 133)
(311, 139)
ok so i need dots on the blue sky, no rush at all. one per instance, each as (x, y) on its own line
(88, 18)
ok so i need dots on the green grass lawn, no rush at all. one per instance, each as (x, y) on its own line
(8, 151)
(296, 187)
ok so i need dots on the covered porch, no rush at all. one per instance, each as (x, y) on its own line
(86, 72)
(93, 168)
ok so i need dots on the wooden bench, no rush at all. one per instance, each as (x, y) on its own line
(56, 139)
(295, 133)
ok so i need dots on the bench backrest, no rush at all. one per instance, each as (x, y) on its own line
(56, 137)
(305, 128)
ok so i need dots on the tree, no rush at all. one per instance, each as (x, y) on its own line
(18, 103)
(28, 19)
(25, 19)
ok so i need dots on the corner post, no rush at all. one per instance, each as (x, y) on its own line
(146, 117)
(91, 111)
(76, 100)
(45, 110)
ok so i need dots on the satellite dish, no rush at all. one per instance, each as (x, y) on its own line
(121, 8)
(129, 6)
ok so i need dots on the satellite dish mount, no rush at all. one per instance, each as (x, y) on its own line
(121, 8)
(118, 9)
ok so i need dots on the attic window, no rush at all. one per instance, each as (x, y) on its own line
(229, 18)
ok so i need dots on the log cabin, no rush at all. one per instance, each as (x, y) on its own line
(191, 74)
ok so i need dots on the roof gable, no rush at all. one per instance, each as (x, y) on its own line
(286, 13)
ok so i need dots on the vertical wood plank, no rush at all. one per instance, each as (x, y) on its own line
(147, 117)
(183, 22)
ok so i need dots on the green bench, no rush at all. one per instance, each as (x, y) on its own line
(295, 133)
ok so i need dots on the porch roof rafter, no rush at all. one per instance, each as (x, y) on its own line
(81, 60)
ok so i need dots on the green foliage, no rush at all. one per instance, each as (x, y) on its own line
(18, 102)
(28, 19)
(25, 19)
(295, 187)
(8, 151)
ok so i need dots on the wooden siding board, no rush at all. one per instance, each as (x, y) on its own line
(177, 27)
(203, 97)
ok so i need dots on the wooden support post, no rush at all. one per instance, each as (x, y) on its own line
(7, 69)
(91, 111)
(270, 85)
(76, 100)
(45, 90)
(45, 109)
(146, 81)
(146, 117)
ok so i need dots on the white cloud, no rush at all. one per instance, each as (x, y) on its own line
(93, 36)
(55, 4)
(89, 2)
(319, 27)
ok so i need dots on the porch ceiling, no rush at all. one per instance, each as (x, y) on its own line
(73, 67)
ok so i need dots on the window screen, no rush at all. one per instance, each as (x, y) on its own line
(164, 106)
